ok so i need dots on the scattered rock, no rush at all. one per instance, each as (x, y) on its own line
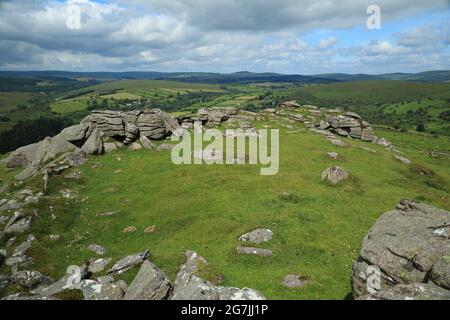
(188, 286)
(334, 175)
(22, 249)
(149, 284)
(411, 246)
(18, 224)
(254, 251)
(125, 264)
(30, 279)
(5, 281)
(97, 265)
(129, 229)
(295, 281)
(97, 249)
(338, 142)
(402, 159)
(55, 237)
(369, 150)
(333, 155)
(257, 236)
(150, 230)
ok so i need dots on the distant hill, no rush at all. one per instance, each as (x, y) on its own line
(238, 77)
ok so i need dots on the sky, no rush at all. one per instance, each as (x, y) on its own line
(284, 36)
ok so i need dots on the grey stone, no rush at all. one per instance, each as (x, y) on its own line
(125, 264)
(67, 282)
(5, 281)
(413, 291)
(440, 274)
(402, 159)
(97, 265)
(334, 175)
(257, 236)
(188, 286)
(254, 251)
(333, 155)
(97, 249)
(75, 133)
(30, 279)
(338, 142)
(294, 281)
(149, 284)
(94, 144)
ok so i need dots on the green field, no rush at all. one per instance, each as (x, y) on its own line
(318, 228)
(378, 91)
(10, 100)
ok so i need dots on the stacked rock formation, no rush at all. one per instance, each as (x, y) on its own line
(349, 125)
(99, 132)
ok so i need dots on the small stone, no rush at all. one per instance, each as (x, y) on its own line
(333, 155)
(150, 230)
(257, 236)
(402, 159)
(97, 249)
(129, 229)
(254, 251)
(334, 175)
(294, 281)
(54, 237)
(338, 142)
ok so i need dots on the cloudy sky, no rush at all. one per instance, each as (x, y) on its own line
(287, 36)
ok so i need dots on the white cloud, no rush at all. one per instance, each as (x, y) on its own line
(220, 35)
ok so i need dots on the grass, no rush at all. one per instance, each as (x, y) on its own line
(379, 91)
(318, 228)
(10, 100)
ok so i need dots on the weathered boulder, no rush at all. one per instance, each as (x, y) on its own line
(149, 284)
(22, 249)
(5, 281)
(108, 122)
(18, 224)
(97, 265)
(411, 247)
(30, 279)
(68, 281)
(413, 291)
(105, 290)
(289, 104)
(151, 126)
(188, 286)
(125, 264)
(334, 175)
(94, 144)
(257, 236)
(76, 133)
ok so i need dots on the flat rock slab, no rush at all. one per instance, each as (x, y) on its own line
(294, 281)
(149, 284)
(125, 264)
(257, 236)
(97, 249)
(402, 159)
(338, 142)
(98, 265)
(254, 251)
